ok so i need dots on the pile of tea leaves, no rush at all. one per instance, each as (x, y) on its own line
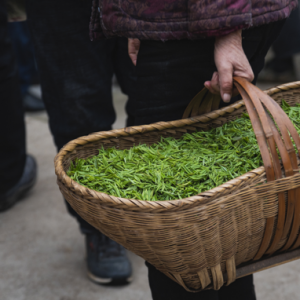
(176, 169)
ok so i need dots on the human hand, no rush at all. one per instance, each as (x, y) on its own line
(230, 61)
(133, 49)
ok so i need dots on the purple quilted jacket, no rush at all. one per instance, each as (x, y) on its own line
(181, 19)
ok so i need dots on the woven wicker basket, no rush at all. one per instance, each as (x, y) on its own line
(200, 242)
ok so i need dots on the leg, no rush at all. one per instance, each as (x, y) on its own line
(13, 149)
(164, 288)
(287, 44)
(242, 288)
(76, 78)
(23, 48)
(169, 75)
(283, 67)
(75, 73)
(17, 171)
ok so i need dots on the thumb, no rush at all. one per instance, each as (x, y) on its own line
(133, 49)
(225, 80)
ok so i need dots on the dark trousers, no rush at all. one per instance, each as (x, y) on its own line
(12, 127)
(168, 76)
(75, 73)
(76, 82)
(163, 288)
(23, 49)
(288, 42)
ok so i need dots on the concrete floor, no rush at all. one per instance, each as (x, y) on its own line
(42, 252)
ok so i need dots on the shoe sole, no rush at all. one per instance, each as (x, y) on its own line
(107, 281)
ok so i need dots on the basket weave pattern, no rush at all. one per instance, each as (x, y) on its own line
(197, 241)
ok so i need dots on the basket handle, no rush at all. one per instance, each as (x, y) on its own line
(260, 106)
(268, 138)
(203, 103)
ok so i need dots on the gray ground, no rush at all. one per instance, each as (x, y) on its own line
(42, 252)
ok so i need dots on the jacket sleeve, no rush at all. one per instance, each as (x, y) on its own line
(182, 19)
(219, 17)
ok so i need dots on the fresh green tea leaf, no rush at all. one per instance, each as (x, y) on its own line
(176, 169)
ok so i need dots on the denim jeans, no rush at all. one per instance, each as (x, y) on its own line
(12, 127)
(76, 81)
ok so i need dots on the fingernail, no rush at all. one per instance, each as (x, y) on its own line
(226, 97)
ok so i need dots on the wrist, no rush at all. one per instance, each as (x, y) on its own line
(233, 37)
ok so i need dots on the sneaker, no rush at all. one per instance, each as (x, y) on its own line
(107, 262)
(26, 182)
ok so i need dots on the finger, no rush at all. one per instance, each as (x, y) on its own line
(215, 84)
(133, 49)
(207, 84)
(225, 80)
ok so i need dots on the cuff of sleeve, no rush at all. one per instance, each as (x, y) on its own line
(225, 31)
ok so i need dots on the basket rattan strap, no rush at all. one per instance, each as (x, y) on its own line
(269, 140)
(284, 123)
(293, 208)
(203, 103)
(268, 137)
(262, 142)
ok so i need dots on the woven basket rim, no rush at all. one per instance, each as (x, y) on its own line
(110, 200)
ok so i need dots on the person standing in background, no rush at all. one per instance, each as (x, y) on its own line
(18, 170)
(285, 65)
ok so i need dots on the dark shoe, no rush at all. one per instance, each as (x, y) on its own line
(33, 103)
(26, 182)
(107, 262)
